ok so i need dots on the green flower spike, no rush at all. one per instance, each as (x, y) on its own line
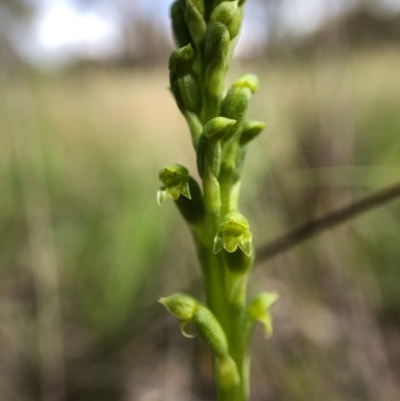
(258, 310)
(175, 179)
(205, 33)
(233, 232)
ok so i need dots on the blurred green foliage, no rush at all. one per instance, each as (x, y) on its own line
(99, 199)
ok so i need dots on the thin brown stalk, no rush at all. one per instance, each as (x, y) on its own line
(331, 220)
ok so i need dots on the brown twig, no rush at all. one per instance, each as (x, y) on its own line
(313, 227)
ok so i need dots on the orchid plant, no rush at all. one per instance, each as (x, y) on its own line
(205, 32)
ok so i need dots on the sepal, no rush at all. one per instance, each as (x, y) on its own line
(258, 310)
(233, 233)
(161, 195)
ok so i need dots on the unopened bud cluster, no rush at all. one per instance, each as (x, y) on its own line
(204, 31)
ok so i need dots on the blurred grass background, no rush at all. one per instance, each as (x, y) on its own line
(86, 252)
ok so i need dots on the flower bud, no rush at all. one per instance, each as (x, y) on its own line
(181, 306)
(258, 310)
(217, 43)
(175, 179)
(195, 20)
(247, 81)
(233, 232)
(208, 148)
(236, 103)
(217, 128)
(181, 60)
(216, 61)
(251, 129)
(227, 373)
(186, 92)
(224, 12)
(234, 26)
(179, 26)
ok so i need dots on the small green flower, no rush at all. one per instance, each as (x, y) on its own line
(258, 310)
(233, 232)
(175, 179)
